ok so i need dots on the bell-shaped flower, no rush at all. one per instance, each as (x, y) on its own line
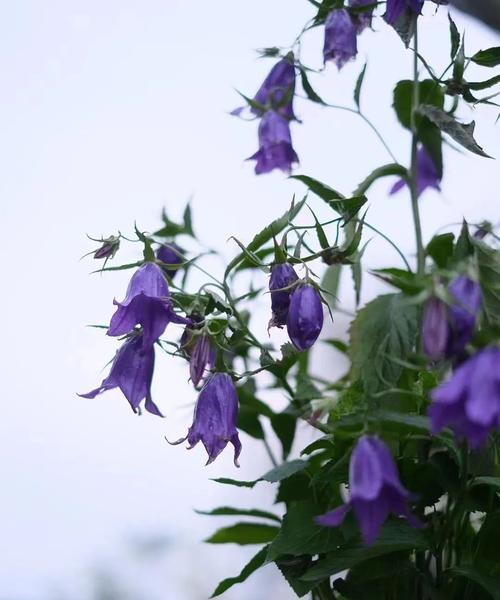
(363, 19)
(305, 316)
(469, 401)
(170, 254)
(395, 8)
(375, 490)
(277, 90)
(282, 277)
(427, 174)
(132, 372)
(464, 310)
(340, 37)
(275, 145)
(147, 303)
(215, 418)
(435, 329)
(201, 357)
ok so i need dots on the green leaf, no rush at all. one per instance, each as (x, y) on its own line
(267, 234)
(440, 249)
(292, 568)
(460, 132)
(236, 482)
(359, 85)
(396, 536)
(483, 85)
(454, 38)
(308, 89)
(284, 426)
(384, 329)
(187, 218)
(384, 171)
(285, 470)
(225, 511)
(255, 563)
(402, 423)
(489, 583)
(488, 262)
(406, 281)
(459, 64)
(248, 421)
(487, 58)
(493, 482)
(322, 190)
(244, 534)
(330, 283)
(300, 535)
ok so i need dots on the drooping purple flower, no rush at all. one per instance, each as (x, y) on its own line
(395, 8)
(469, 401)
(170, 254)
(375, 490)
(132, 372)
(275, 145)
(340, 37)
(108, 249)
(215, 418)
(466, 306)
(202, 356)
(305, 316)
(147, 303)
(283, 276)
(277, 90)
(427, 174)
(362, 20)
(435, 329)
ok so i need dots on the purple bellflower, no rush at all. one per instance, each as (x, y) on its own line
(469, 401)
(427, 174)
(276, 92)
(362, 20)
(201, 357)
(215, 418)
(375, 490)
(395, 8)
(170, 254)
(305, 316)
(283, 276)
(340, 37)
(147, 303)
(132, 372)
(275, 145)
(447, 329)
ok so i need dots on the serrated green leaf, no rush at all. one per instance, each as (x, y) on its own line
(487, 58)
(244, 534)
(462, 133)
(384, 328)
(225, 511)
(255, 563)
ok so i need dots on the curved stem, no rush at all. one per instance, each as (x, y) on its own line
(414, 154)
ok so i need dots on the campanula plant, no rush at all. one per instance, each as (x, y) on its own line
(382, 426)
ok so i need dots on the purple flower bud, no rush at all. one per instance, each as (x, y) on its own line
(467, 304)
(375, 489)
(147, 303)
(215, 418)
(395, 8)
(276, 92)
(275, 145)
(427, 174)
(282, 276)
(435, 329)
(202, 355)
(170, 254)
(132, 372)
(362, 20)
(469, 401)
(340, 37)
(305, 316)
(108, 249)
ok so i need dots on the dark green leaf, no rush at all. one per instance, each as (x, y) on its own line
(256, 562)
(244, 534)
(330, 283)
(400, 422)
(483, 85)
(489, 583)
(300, 535)
(248, 421)
(322, 190)
(440, 249)
(408, 282)
(493, 482)
(359, 85)
(236, 482)
(487, 58)
(459, 64)
(225, 511)
(460, 132)
(488, 261)
(308, 89)
(454, 38)
(292, 568)
(285, 470)
(384, 329)
(188, 223)
(385, 171)
(284, 426)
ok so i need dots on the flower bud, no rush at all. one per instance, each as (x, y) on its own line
(282, 276)
(305, 316)
(170, 254)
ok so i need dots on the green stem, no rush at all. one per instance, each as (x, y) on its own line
(324, 591)
(413, 170)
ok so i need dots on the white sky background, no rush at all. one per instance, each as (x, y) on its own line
(110, 110)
